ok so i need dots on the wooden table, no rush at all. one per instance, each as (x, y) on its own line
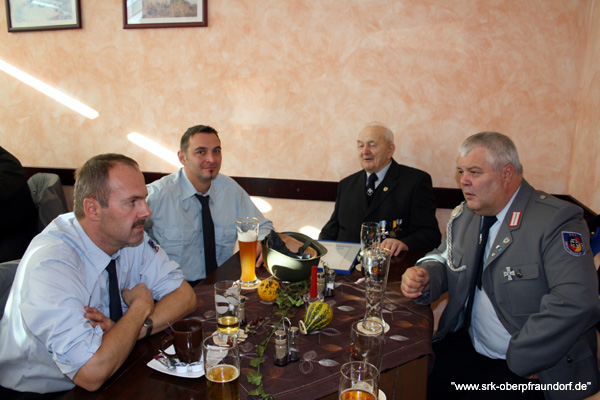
(136, 380)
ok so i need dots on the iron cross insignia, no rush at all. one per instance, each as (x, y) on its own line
(509, 273)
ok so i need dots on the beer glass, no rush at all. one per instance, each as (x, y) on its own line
(376, 265)
(227, 305)
(222, 368)
(247, 233)
(358, 381)
(366, 342)
(370, 235)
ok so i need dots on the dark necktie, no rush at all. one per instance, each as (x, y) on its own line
(483, 237)
(371, 187)
(116, 312)
(208, 233)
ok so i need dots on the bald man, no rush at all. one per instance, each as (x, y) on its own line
(400, 198)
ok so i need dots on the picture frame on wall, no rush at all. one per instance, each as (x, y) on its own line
(37, 15)
(164, 13)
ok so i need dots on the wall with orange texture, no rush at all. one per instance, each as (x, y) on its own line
(289, 84)
(584, 171)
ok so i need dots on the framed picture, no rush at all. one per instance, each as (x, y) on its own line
(38, 15)
(163, 13)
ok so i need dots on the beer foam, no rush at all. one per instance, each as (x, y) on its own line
(249, 236)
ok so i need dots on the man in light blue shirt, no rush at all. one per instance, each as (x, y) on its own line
(56, 332)
(176, 222)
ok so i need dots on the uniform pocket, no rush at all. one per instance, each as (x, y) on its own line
(523, 288)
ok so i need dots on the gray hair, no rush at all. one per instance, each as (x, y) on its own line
(388, 135)
(91, 180)
(501, 149)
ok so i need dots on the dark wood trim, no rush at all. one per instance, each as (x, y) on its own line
(447, 198)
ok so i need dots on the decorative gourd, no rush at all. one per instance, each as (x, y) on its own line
(317, 317)
(267, 290)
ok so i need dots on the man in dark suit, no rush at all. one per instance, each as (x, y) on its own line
(400, 198)
(18, 213)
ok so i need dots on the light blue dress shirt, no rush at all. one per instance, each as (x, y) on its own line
(488, 335)
(44, 338)
(176, 221)
(380, 175)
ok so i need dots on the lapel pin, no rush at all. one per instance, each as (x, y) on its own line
(385, 189)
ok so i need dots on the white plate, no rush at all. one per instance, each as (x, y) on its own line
(158, 366)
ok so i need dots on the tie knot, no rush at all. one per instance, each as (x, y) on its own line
(372, 179)
(203, 199)
(488, 222)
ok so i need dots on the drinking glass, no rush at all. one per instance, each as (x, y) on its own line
(227, 304)
(222, 368)
(376, 266)
(370, 235)
(366, 342)
(358, 381)
(247, 233)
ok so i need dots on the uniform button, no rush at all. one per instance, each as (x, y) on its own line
(569, 360)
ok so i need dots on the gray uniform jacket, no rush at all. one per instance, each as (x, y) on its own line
(541, 280)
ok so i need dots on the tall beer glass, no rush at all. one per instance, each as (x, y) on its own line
(222, 368)
(247, 233)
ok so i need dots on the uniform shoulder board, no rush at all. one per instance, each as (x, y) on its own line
(457, 210)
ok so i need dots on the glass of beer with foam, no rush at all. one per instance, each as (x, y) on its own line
(247, 233)
(222, 367)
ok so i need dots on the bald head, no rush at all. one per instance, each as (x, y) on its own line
(375, 147)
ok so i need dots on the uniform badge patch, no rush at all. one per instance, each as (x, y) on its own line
(573, 243)
(515, 219)
(153, 245)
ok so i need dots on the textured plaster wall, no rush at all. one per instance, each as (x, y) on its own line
(584, 180)
(289, 84)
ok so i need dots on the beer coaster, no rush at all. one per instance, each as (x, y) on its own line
(386, 328)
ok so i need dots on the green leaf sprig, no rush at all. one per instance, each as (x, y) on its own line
(287, 301)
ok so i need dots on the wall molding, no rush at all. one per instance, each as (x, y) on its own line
(297, 189)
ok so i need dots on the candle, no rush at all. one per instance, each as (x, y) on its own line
(313, 282)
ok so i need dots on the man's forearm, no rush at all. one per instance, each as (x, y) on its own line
(172, 307)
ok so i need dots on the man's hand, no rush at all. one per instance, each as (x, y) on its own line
(259, 260)
(96, 318)
(139, 293)
(414, 281)
(394, 245)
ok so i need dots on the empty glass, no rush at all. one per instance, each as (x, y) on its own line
(366, 342)
(376, 267)
(370, 235)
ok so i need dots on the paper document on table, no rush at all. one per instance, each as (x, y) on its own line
(341, 256)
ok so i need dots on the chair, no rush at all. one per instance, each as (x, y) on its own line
(7, 275)
(49, 197)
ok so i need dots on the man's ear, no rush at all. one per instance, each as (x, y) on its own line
(508, 172)
(181, 156)
(91, 208)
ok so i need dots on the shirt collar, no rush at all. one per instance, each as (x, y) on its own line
(96, 256)
(380, 174)
(187, 189)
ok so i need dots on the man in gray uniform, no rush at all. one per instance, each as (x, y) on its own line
(522, 313)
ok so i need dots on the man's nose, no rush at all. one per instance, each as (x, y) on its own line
(145, 211)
